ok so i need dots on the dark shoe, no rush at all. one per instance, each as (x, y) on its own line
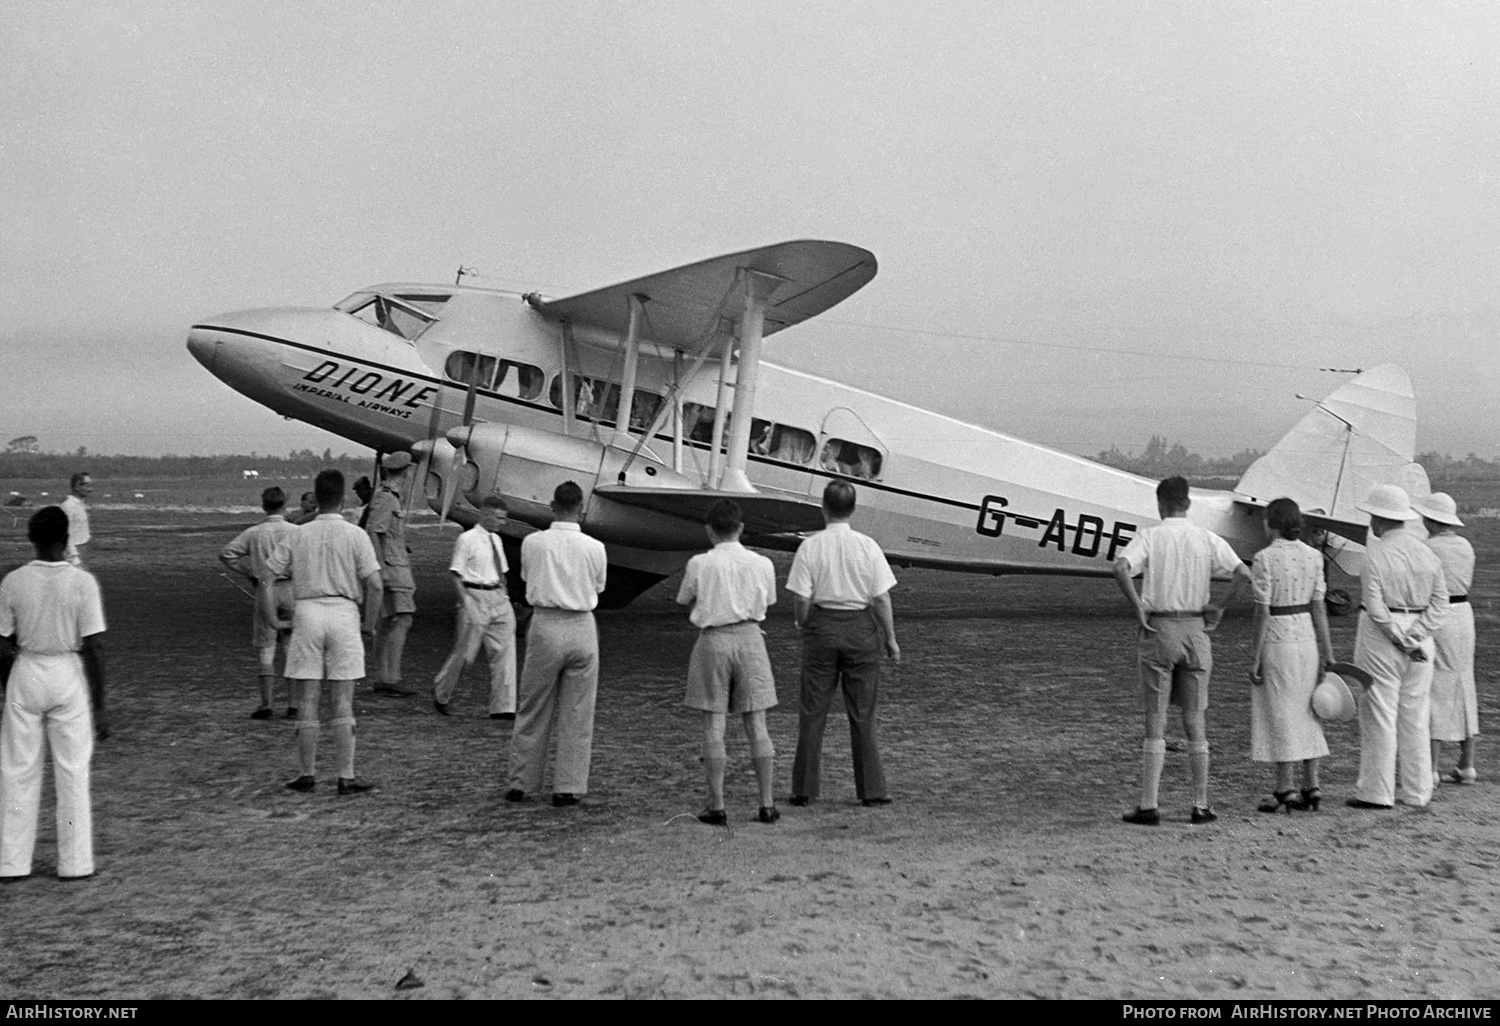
(303, 783)
(769, 813)
(1282, 801)
(262, 714)
(515, 794)
(354, 785)
(562, 801)
(870, 803)
(1360, 803)
(393, 691)
(291, 712)
(1143, 817)
(14, 879)
(502, 716)
(1312, 797)
(714, 817)
(1203, 815)
(72, 879)
(799, 800)
(441, 707)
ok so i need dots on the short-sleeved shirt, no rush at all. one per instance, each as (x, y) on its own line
(387, 527)
(328, 557)
(478, 557)
(563, 567)
(1403, 573)
(78, 525)
(1457, 557)
(1178, 561)
(50, 607)
(253, 546)
(726, 585)
(1287, 573)
(839, 568)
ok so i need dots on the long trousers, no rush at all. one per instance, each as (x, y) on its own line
(841, 650)
(561, 677)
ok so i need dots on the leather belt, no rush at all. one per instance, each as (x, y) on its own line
(1408, 609)
(483, 587)
(1305, 607)
(1177, 614)
(1455, 599)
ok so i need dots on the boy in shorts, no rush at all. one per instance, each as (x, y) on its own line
(729, 588)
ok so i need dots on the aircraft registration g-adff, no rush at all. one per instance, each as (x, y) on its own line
(654, 397)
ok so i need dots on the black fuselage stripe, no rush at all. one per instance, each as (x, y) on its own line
(548, 408)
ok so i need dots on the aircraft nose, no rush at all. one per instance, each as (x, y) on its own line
(203, 348)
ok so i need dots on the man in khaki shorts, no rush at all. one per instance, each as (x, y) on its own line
(1178, 561)
(729, 588)
(385, 523)
(332, 564)
(247, 555)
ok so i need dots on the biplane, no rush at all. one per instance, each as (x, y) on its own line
(655, 395)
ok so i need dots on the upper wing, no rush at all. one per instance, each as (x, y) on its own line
(687, 308)
(764, 514)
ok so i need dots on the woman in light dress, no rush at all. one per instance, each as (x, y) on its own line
(1292, 650)
(1455, 710)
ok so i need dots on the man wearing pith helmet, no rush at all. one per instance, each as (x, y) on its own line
(1405, 597)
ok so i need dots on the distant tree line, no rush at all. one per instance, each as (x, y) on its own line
(302, 463)
(1159, 460)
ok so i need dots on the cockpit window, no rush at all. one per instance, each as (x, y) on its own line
(397, 316)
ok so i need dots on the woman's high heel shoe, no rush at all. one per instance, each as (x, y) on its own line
(1282, 801)
(1312, 797)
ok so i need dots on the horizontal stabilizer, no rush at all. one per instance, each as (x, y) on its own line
(689, 307)
(764, 514)
(1343, 528)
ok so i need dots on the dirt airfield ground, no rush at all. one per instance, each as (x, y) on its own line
(1011, 739)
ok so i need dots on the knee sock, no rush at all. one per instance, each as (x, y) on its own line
(307, 745)
(714, 769)
(343, 736)
(762, 757)
(1198, 764)
(1153, 758)
(267, 689)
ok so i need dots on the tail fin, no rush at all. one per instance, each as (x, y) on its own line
(1363, 434)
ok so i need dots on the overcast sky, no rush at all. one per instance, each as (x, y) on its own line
(1094, 222)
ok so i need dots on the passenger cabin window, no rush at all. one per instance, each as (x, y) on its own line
(399, 318)
(851, 459)
(597, 399)
(471, 368)
(528, 380)
(781, 441)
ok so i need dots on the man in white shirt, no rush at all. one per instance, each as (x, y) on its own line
(80, 487)
(1404, 598)
(52, 619)
(729, 588)
(332, 566)
(564, 571)
(1178, 561)
(841, 583)
(247, 555)
(485, 618)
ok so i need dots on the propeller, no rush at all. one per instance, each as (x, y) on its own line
(460, 449)
(424, 450)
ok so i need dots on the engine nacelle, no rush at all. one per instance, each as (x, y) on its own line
(524, 466)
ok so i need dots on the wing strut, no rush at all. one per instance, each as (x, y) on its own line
(758, 288)
(627, 376)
